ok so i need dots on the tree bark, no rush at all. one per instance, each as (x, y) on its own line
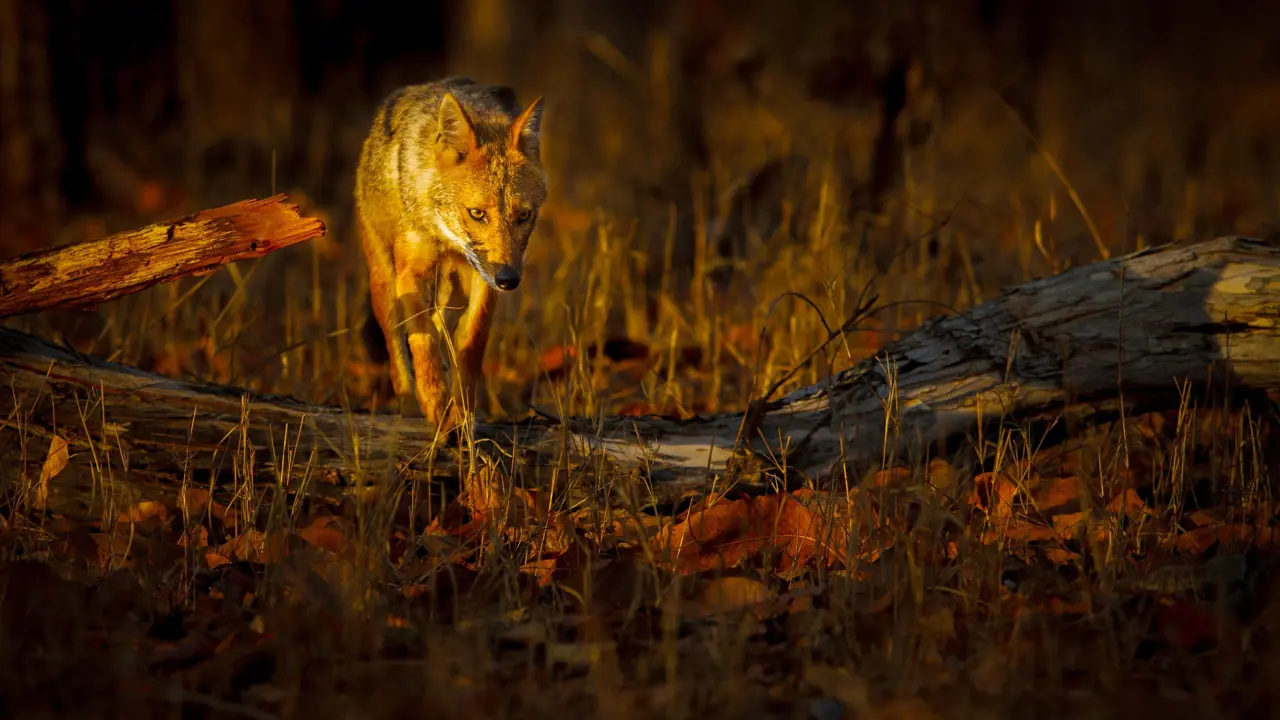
(90, 273)
(1124, 333)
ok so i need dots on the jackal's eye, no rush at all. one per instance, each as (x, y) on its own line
(476, 214)
(523, 215)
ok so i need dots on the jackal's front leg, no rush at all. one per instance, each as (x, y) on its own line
(473, 337)
(415, 293)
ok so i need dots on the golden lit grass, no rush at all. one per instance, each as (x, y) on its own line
(1095, 575)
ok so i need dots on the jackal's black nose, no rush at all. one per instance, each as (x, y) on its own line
(507, 278)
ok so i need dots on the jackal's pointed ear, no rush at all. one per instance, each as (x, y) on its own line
(526, 130)
(454, 132)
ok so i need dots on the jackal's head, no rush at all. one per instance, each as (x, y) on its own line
(487, 188)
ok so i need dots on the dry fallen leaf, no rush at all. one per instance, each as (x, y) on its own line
(1058, 495)
(895, 477)
(215, 560)
(727, 595)
(543, 569)
(55, 462)
(256, 546)
(192, 501)
(143, 511)
(1129, 503)
(1234, 535)
(995, 493)
(727, 533)
(1017, 530)
(1069, 525)
(325, 531)
(195, 537)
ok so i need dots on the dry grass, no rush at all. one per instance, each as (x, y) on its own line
(1127, 567)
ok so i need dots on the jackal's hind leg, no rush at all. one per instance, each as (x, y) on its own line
(386, 311)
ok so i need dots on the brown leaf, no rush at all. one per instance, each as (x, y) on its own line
(325, 532)
(1235, 534)
(1061, 556)
(216, 560)
(143, 511)
(1201, 518)
(729, 532)
(941, 474)
(484, 496)
(1129, 503)
(1068, 525)
(193, 500)
(626, 529)
(895, 477)
(256, 546)
(995, 493)
(54, 463)
(1056, 495)
(1018, 530)
(726, 595)
(543, 569)
(195, 538)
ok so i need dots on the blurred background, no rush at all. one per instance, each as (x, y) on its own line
(709, 162)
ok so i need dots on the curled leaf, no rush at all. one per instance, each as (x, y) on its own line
(54, 463)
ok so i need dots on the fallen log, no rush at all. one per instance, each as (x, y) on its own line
(1123, 333)
(1127, 334)
(84, 274)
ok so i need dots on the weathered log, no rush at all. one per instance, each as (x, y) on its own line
(85, 274)
(1121, 333)
(1126, 334)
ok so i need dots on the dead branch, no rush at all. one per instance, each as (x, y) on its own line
(85, 274)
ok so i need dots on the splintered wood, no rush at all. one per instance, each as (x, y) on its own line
(90, 273)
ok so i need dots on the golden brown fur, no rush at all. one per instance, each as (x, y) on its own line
(447, 194)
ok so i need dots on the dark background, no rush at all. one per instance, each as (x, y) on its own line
(200, 95)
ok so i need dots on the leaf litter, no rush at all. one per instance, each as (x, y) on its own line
(966, 572)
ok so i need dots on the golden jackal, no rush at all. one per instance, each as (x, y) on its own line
(447, 193)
